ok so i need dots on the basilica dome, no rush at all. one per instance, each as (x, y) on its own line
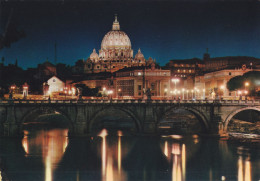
(116, 39)
(116, 45)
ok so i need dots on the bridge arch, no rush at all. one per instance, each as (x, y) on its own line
(198, 114)
(107, 111)
(232, 114)
(35, 113)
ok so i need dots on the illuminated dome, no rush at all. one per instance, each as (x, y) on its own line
(116, 44)
(139, 55)
(94, 55)
(116, 39)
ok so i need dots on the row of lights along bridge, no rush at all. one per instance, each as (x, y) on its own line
(174, 93)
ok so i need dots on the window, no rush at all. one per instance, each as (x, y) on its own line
(139, 73)
(139, 87)
(54, 80)
(139, 93)
(229, 73)
(97, 67)
(178, 70)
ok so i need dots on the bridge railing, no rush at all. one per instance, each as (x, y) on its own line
(136, 101)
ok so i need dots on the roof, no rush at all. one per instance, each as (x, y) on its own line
(187, 61)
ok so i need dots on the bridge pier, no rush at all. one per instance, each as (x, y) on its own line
(149, 125)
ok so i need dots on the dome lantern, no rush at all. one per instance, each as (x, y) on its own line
(116, 25)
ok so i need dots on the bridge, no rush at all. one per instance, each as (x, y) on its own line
(82, 115)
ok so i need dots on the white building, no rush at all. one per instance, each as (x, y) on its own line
(55, 85)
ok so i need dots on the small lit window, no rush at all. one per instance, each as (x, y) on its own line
(184, 71)
(178, 70)
(190, 71)
(139, 73)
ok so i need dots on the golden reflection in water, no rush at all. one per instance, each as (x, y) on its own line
(166, 148)
(112, 157)
(51, 144)
(109, 170)
(178, 170)
(119, 152)
(183, 159)
(103, 135)
(0, 176)
(244, 169)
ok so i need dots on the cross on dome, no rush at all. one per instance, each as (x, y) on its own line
(116, 25)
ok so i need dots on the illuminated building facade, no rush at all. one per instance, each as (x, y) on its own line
(133, 82)
(116, 53)
(185, 68)
(217, 81)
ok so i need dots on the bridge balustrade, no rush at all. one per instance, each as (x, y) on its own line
(117, 101)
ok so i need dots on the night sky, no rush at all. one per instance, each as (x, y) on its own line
(163, 30)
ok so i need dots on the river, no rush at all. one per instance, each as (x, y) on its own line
(49, 155)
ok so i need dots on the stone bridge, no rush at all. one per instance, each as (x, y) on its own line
(146, 115)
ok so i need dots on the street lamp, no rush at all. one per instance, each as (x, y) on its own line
(65, 91)
(222, 87)
(25, 90)
(110, 92)
(119, 92)
(175, 82)
(183, 90)
(165, 92)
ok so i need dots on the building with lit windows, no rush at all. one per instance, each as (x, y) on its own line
(185, 68)
(116, 53)
(215, 83)
(135, 81)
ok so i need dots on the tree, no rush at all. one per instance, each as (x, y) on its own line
(235, 83)
(238, 82)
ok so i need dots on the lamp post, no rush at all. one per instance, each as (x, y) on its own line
(65, 91)
(239, 94)
(165, 92)
(183, 90)
(246, 88)
(119, 93)
(25, 90)
(222, 87)
(175, 80)
(110, 92)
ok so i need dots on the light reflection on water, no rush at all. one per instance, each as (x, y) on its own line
(50, 144)
(109, 171)
(118, 157)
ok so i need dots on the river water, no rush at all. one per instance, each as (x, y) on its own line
(48, 155)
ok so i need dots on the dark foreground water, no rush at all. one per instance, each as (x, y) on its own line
(51, 156)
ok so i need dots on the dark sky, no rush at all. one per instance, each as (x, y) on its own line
(164, 30)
